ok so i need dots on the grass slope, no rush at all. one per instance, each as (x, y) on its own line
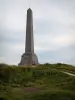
(44, 82)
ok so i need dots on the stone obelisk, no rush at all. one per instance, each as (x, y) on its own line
(29, 57)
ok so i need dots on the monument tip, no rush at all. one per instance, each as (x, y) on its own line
(29, 8)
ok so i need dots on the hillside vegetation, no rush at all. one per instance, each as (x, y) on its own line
(43, 82)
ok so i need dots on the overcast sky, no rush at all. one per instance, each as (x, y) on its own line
(54, 30)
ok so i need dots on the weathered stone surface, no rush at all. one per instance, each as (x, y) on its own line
(29, 57)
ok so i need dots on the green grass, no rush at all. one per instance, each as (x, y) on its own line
(48, 78)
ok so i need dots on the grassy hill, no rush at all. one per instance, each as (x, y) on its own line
(44, 82)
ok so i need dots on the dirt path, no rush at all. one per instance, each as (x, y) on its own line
(69, 73)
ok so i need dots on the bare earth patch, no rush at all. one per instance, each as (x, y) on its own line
(31, 89)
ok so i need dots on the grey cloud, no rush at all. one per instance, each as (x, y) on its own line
(49, 27)
(63, 55)
(51, 18)
(11, 37)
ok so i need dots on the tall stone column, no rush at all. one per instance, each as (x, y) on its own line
(29, 57)
(29, 32)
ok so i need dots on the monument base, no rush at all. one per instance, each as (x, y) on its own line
(28, 59)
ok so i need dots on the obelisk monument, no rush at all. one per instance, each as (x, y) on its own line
(29, 57)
